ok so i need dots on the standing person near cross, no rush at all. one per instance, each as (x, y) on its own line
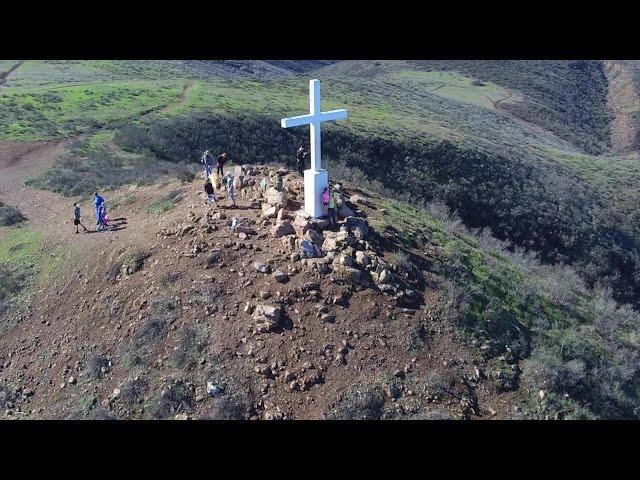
(301, 156)
(220, 161)
(315, 179)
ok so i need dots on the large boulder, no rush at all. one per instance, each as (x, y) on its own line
(280, 229)
(269, 211)
(267, 318)
(350, 275)
(277, 198)
(357, 226)
(335, 241)
(301, 223)
(313, 237)
(262, 267)
(363, 259)
(359, 199)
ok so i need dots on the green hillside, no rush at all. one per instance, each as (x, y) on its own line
(521, 147)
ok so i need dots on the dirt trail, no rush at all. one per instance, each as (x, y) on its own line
(181, 99)
(48, 212)
(5, 75)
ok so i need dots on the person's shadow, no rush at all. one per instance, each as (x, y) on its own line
(116, 225)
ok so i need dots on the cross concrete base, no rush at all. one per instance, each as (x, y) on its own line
(314, 183)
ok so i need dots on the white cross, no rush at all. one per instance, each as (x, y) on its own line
(314, 119)
(315, 179)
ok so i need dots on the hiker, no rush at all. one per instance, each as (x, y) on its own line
(207, 161)
(97, 202)
(211, 196)
(301, 157)
(76, 217)
(231, 190)
(264, 183)
(333, 207)
(220, 161)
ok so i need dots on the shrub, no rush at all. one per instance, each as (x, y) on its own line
(404, 262)
(230, 407)
(190, 347)
(175, 397)
(7, 395)
(165, 203)
(127, 264)
(436, 414)
(95, 364)
(435, 384)
(10, 215)
(132, 391)
(185, 176)
(359, 405)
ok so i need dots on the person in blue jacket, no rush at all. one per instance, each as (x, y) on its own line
(207, 161)
(98, 201)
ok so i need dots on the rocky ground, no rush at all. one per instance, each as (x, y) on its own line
(205, 313)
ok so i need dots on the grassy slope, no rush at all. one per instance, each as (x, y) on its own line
(541, 329)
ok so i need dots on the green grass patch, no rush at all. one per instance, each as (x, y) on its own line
(455, 86)
(21, 246)
(58, 111)
(165, 203)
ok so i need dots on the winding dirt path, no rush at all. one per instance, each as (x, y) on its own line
(5, 75)
(181, 99)
(47, 212)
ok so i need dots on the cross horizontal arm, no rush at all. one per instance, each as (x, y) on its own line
(333, 115)
(296, 121)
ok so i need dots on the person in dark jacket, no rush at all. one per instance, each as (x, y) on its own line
(301, 158)
(220, 161)
(211, 195)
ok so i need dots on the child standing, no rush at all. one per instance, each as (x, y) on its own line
(211, 196)
(325, 200)
(76, 217)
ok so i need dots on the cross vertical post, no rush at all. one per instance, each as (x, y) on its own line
(315, 134)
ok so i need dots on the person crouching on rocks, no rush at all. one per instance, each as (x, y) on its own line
(76, 217)
(211, 195)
